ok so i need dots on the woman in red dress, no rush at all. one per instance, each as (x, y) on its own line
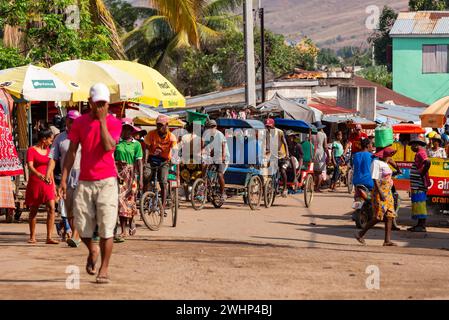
(39, 190)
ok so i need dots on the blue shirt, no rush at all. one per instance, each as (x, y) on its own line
(362, 169)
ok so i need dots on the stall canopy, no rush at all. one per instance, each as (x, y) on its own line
(291, 109)
(436, 114)
(396, 114)
(351, 120)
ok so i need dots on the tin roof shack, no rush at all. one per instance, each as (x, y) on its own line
(420, 55)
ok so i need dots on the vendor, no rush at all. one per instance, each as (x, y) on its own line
(435, 150)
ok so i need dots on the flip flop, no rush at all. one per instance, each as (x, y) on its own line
(51, 241)
(32, 241)
(103, 280)
(119, 240)
(360, 239)
(390, 244)
(73, 243)
(417, 229)
(90, 266)
(132, 231)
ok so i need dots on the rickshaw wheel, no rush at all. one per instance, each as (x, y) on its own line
(198, 194)
(254, 191)
(349, 181)
(174, 206)
(308, 190)
(268, 193)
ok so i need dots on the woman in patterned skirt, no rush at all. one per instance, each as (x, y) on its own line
(382, 195)
(128, 153)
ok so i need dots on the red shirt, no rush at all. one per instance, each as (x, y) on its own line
(96, 163)
(356, 141)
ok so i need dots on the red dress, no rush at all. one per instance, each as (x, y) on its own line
(38, 192)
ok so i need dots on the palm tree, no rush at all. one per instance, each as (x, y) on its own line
(179, 23)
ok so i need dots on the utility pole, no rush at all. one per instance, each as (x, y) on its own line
(262, 55)
(250, 92)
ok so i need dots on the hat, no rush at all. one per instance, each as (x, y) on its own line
(417, 139)
(129, 122)
(99, 92)
(384, 152)
(269, 123)
(291, 133)
(211, 123)
(162, 119)
(437, 137)
(319, 125)
(73, 114)
(358, 126)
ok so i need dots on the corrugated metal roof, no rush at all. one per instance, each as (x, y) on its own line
(420, 23)
(404, 26)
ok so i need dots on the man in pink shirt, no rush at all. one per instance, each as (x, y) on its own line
(96, 198)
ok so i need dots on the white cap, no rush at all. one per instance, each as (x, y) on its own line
(99, 92)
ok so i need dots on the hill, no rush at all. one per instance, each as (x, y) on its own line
(330, 23)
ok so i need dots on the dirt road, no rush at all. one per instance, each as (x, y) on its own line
(285, 252)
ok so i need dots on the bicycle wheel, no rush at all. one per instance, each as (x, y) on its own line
(174, 205)
(199, 194)
(150, 211)
(268, 193)
(349, 181)
(308, 190)
(254, 190)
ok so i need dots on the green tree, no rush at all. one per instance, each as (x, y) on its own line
(125, 15)
(421, 5)
(328, 57)
(10, 58)
(41, 31)
(380, 39)
(378, 74)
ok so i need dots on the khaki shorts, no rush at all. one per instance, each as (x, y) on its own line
(69, 201)
(96, 203)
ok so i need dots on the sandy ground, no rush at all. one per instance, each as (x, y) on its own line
(285, 252)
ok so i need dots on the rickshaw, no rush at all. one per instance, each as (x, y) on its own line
(243, 176)
(306, 177)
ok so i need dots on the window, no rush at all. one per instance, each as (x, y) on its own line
(435, 59)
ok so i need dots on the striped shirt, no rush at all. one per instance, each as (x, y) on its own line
(417, 182)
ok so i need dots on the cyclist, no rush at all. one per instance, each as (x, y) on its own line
(355, 140)
(282, 154)
(216, 148)
(159, 147)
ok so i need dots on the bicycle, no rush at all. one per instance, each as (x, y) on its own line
(207, 188)
(151, 202)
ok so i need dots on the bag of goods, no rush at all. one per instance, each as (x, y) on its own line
(383, 136)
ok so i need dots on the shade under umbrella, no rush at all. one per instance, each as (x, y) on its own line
(435, 115)
(122, 85)
(36, 83)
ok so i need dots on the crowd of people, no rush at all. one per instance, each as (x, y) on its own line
(105, 162)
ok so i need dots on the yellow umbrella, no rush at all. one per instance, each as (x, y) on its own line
(146, 121)
(36, 83)
(435, 115)
(122, 85)
(156, 88)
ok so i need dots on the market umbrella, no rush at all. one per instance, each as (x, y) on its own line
(36, 83)
(122, 85)
(157, 89)
(435, 115)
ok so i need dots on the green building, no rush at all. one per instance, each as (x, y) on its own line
(420, 55)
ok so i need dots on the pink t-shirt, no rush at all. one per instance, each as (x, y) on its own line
(96, 163)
